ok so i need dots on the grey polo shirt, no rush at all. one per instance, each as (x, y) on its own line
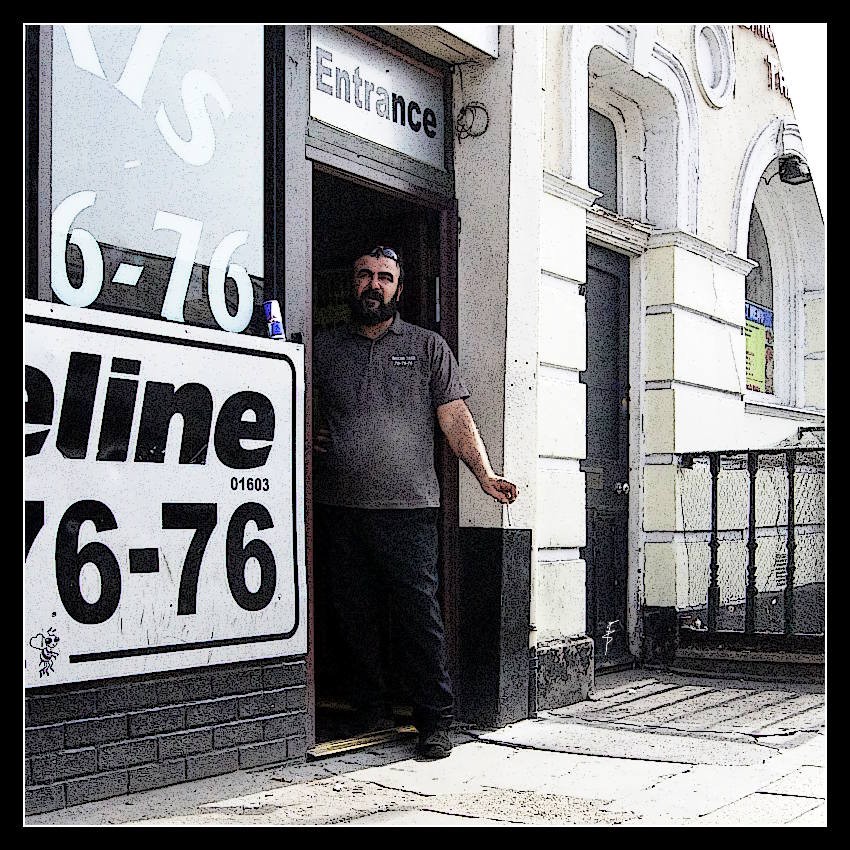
(378, 399)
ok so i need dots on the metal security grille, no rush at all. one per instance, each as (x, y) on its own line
(752, 559)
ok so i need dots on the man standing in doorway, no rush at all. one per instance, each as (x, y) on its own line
(382, 384)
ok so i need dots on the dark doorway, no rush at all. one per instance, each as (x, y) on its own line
(350, 217)
(607, 464)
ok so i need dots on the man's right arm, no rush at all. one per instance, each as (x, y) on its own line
(457, 424)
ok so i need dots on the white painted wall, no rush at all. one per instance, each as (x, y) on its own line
(724, 134)
(707, 420)
(560, 598)
(482, 195)
(691, 343)
(659, 423)
(814, 309)
(815, 326)
(563, 324)
(698, 339)
(560, 505)
(498, 178)
(483, 36)
(559, 254)
(524, 260)
(660, 574)
(815, 389)
(659, 482)
(675, 275)
(561, 414)
(707, 352)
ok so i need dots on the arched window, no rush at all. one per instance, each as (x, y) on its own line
(759, 310)
(602, 159)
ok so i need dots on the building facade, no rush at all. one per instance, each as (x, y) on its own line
(611, 225)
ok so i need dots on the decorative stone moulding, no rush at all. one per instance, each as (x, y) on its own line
(714, 58)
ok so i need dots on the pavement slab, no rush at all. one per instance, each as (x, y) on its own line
(341, 787)
(173, 801)
(692, 794)
(527, 807)
(805, 781)
(707, 788)
(760, 810)
(695, 705)
(422, 817)
(607, 779)
(706, 702)
(601, 700)
(584, 777)
(563, 735)
(804, 720)
(790, 712)
(611, 686)
(529, 770)
(321, 801)
(813, 751)
(665, 701)
(813, 817)
(466, 770)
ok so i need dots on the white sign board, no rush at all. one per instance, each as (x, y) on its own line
(372, 93)
(164, 523)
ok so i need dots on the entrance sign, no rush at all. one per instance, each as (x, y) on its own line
(374, 94)
(164, 517)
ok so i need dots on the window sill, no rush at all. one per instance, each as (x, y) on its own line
(770, 407)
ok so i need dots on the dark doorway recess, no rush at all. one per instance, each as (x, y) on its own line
(351, 216)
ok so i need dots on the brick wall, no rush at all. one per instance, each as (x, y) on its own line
(103, 739)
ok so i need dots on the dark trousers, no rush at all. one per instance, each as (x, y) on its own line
(388, 557)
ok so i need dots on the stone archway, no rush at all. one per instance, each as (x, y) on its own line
(793, 227)
(627, 61)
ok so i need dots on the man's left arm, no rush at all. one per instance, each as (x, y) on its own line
(462, 434)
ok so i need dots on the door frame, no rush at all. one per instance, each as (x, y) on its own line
(447, 466)
(306, 144)
(631, 242)
(614, 265)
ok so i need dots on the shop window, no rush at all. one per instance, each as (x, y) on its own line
(759, 311)
(156, 171)
(602, 159)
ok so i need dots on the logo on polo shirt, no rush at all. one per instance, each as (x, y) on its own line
(410, 360)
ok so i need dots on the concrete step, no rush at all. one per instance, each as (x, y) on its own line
(749, 663)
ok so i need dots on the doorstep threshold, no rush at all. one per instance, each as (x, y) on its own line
(358, 742)
(748, 654)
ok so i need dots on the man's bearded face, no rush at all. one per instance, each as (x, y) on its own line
(374, 296)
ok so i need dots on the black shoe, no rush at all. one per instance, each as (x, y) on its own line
(436, 745)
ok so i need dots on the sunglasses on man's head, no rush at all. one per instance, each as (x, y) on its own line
(381, 251)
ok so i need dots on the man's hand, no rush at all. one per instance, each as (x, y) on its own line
(499, 488)
(321, 441)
